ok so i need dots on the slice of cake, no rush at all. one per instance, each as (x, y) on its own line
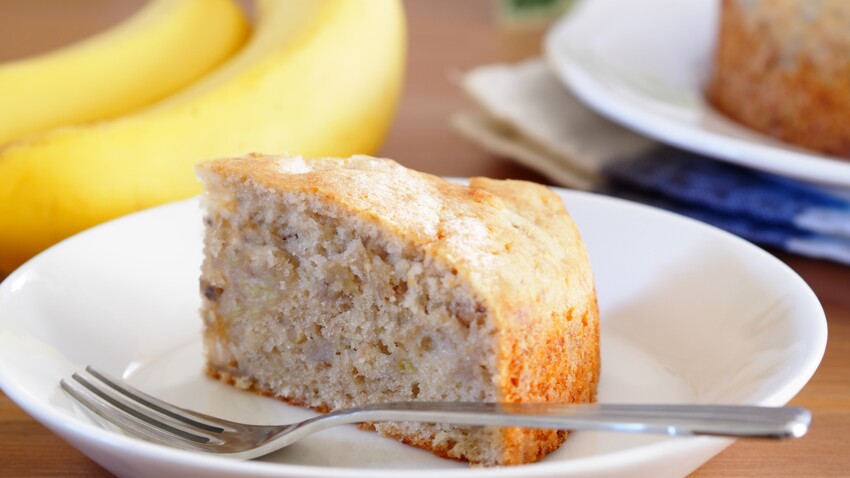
(330, 283)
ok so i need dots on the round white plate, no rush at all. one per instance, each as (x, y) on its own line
(645, 64)
(689, 314)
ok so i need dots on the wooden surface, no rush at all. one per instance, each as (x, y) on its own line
(447, 37)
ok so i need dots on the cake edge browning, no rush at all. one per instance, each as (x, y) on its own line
(549, 348)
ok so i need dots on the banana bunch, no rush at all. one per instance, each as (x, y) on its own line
(139, 61)
(316, 78)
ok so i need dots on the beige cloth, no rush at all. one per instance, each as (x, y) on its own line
(526, 114)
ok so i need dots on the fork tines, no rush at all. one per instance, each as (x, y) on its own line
(140, 414)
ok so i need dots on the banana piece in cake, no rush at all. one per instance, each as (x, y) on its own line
(330, 283)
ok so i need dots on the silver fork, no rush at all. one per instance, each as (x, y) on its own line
(151, 419)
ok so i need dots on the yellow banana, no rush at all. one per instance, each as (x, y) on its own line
(163, 47)
(317, 78)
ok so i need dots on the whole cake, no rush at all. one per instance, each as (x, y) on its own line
(330, 283)
(782, 67)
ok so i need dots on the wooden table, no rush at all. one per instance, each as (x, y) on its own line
(447, 37)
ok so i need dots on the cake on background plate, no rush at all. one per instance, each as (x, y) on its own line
(330, 283)
(782, 67)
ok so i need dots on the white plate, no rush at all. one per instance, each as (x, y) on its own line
(644, 65)
(689, 314)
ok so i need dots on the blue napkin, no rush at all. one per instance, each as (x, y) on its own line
(760, 207)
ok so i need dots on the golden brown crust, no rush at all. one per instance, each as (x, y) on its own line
(512, 241)
(547, 359)
(442, 450)
(782, 68)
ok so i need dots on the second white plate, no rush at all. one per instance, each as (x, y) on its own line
(645, 64)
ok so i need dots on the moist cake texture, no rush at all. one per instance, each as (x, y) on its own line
(331, 282)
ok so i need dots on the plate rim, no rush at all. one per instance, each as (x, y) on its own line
(787, 161)
(59, 422)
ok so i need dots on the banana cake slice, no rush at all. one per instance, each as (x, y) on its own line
(331, 282)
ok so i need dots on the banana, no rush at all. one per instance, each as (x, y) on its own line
(317, 78)
(139, 61)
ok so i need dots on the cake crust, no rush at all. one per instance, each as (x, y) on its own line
(782, 67)
(511, 242)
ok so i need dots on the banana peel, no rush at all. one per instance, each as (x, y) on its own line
(139, 61)
(317, 79)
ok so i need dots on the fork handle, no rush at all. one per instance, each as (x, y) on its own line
(673, 420)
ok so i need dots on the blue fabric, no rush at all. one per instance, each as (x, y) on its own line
(762, 233)
(688, 178)
(756, 206)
